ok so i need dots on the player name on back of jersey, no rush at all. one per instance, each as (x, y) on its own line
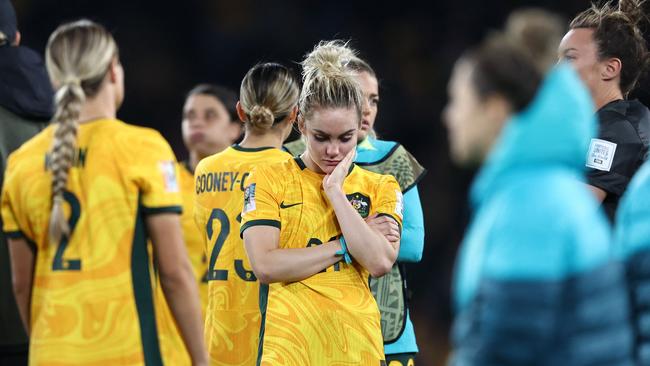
(78, 160)
(220, 182)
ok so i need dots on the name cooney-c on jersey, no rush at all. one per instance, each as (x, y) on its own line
(220, 182)
(78, 160)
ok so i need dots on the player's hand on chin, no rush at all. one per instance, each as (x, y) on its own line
(333, 181)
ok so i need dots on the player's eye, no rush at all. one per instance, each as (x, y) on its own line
(320, 138)
(346, 138)
(210, 115)
(374, 101)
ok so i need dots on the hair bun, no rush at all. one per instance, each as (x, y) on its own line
(261, 117)
(328, 60)
(537, 34)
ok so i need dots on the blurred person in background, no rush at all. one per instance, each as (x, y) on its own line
(607, 48)
(26, 107)
(78, 204)
(389, 157)
(632, 240)
(209, 125)
(268, 108)
(534, 283)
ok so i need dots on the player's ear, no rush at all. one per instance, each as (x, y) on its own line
(240, 112)
(113, 70)
(301, 124)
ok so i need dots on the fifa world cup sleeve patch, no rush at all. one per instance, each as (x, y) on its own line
(399, 205)
(601, 154)
(168, 169)
(249, 198)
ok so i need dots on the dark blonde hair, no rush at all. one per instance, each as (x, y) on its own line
(268, 93)
(328, 79)
(513, 62)
(78, 56)
(617, 34)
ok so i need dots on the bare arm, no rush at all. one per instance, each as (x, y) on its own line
(367, 246)
(178, 283)
(22, 270)
(272, 264)
(598, 192)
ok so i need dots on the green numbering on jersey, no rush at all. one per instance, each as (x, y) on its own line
(315, 241)
(217, 214)
(59, 263)
(222, 274)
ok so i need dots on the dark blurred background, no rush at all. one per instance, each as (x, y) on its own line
(167, 47)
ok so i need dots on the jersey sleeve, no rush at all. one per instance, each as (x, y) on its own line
(156, 174)
(614, 157)
(390, 201)
(10, 220)
(261, 201)
(201, 212)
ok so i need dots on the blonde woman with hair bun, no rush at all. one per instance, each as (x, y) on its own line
(304, 229)
(78, 228)
(268, 108)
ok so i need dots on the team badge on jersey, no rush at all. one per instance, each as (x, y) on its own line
(168, 169)
(360, 202)
(249, 198)
(601, 154)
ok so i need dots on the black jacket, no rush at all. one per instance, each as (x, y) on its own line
(25, 87)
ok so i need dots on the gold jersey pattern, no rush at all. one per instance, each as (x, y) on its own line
(92, 297)
(233, 315)
(193, 235)
(330, 318)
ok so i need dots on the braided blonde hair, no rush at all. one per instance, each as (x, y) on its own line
(78, 56)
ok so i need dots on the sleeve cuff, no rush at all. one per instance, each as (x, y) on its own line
(160, 210)
(262, 222)
(392, 217)
(15, 234)
(612, 182)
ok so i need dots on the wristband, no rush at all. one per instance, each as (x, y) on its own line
(344, 250)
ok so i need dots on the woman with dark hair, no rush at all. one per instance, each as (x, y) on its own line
(534, 281)
(606, 47)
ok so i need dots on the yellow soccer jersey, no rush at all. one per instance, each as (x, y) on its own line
(330, 318)
(193, 235)
(171, 342)
(92, 296)
(233, 315)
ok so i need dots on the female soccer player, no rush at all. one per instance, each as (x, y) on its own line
(608, 50)
(268, 107)
(535, 284)
(209, 126)
(388, 157)
(78, 202)
(304, 230)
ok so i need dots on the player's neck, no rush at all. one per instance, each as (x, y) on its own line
(267, 140)
(97, 108)
(607, 96)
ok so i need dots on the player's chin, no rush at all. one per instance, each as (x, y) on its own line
(327, 168)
